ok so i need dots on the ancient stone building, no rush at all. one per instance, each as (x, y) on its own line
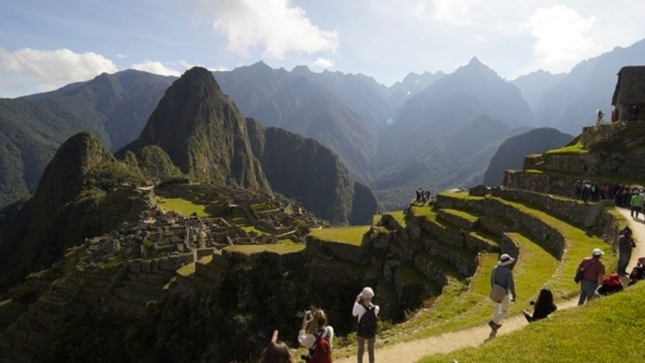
(630, 91)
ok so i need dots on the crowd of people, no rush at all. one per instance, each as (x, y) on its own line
(621, 194)
(424, 195)
(318, 337)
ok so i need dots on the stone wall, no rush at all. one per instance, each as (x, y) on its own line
(548, 237)
(446, 201)
(508, 245)
(540, 182)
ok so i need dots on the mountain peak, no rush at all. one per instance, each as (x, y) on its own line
(203, 132)
(474, 61)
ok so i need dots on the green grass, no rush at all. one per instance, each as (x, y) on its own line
(183, 206)
(461, 195)
(575, 149)
(459, 308)
(606, 330)
(580, 243)
(486, 236)
(350, 235)
(399, 216)
(275, 248)
(462, 214)
(187, 270)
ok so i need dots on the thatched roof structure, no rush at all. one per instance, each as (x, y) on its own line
(630, 89)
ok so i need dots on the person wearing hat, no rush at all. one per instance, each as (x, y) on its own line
(593, 273)
(625, 246)
(501, 280)
(366, 313)
(638, 272)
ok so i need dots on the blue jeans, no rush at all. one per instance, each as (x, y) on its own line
(587, 289)
(623, 261)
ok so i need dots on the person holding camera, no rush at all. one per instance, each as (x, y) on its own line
(366, 313)
(316, 336)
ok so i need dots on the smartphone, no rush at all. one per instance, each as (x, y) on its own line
(308, 315)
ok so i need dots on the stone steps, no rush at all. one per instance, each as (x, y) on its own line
(143, 287)
(463, 260)
(133, 296)
(461, 201)
(435, 268)
(459, 219)
(495, 225)
(481, 240)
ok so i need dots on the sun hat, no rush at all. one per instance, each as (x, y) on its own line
(367, 293)
(597, 252)
(505, 260)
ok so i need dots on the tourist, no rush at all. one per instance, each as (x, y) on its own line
(276, 352)
(610, 285)
(314, 331)
(614, 115)
(593, 272)
(638, 272)
(419, 195)
(599, 117)
(366, 313)
(636, 202)
(577, 190)
(625, 246)
(542, 308)
(502, 284)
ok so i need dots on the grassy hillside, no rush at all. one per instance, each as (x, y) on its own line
(606, 330)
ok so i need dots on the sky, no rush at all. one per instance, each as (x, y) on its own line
(46, 44)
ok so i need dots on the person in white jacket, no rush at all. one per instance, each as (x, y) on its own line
(366, 330)
(314, 326)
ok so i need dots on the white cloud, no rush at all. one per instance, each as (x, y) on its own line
(324, 62)
(453, 12)
(121, 56)
(156, 68)
(420, 10)
(51, 69)
(275, 26)
(562, 38)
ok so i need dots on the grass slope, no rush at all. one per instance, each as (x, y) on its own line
(606, 330)
(350, 235)
(183, 206)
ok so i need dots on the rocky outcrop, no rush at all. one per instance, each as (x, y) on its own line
(203, 132)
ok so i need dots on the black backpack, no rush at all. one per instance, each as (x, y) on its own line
(367, 327)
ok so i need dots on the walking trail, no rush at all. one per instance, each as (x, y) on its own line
(410, 352)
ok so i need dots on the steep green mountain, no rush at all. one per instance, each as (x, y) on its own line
(410, 86)
(203, 132)
(456, 159)
(303, 169)
(113, 107)
(64, 209)
(573, 102)
(536, 84)
(511, 152)
(307, 108)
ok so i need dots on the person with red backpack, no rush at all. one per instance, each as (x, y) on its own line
(316, 336)
(366, 313)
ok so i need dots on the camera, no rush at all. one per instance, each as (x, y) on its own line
(308, 315)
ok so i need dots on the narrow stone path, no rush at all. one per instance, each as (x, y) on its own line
(413, 351)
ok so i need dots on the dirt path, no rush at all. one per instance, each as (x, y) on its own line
(410, 352)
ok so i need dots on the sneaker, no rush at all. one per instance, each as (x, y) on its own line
(498, 326)
(493, 325)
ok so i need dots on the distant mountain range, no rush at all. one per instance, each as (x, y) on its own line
(392, 139)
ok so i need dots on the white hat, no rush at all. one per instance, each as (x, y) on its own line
(597, 252)
(367, 293)
(505, 260)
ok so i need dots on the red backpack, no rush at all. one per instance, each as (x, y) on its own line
(322, 350)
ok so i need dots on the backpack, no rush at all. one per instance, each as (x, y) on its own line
(321, 350)
(367, 325)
